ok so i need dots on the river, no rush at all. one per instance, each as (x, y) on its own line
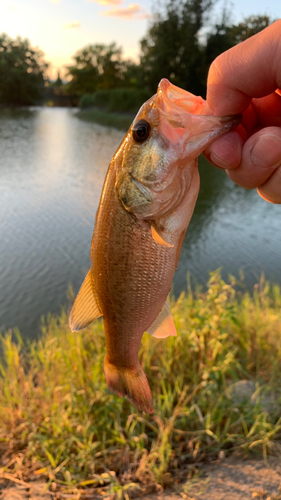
(52, 167)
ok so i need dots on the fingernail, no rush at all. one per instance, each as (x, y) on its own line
(266, 152)
(219, 162)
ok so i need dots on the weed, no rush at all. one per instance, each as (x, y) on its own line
(59, 422)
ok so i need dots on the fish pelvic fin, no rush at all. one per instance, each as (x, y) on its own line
(129, 383)
(163, 326)
(85, 308)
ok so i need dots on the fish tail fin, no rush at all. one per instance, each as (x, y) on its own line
(131, 383)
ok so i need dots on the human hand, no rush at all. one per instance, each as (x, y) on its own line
(244, 80)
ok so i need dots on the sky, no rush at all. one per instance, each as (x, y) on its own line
(61, 27)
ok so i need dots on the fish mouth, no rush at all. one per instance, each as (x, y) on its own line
(187, 121)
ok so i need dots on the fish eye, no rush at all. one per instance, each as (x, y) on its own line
(141, 131)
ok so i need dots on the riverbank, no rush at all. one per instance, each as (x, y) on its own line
(116, 120)
(216, 389)
(224, 479)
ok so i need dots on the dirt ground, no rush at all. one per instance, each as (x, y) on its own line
(233, 479)
(228, 479)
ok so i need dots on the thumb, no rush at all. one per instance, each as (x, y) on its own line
(261, 156)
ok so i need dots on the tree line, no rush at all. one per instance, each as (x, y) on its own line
(180, 44)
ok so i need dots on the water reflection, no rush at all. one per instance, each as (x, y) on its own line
(52, 167)
(231, 228)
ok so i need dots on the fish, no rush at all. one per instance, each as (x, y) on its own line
(147, 201)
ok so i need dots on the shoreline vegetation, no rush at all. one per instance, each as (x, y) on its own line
(96, 115)
(113, 107)
(216, 390)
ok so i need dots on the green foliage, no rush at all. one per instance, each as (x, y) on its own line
(225, 35)
(59, 421)
(171, 48)
(248, 27)
(87, 101)
(116, 100)
(96, 66)
(109, 107)
(116, 120)
(22, 71)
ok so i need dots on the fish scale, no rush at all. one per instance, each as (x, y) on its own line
(124, 245)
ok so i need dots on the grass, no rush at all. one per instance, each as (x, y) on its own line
(117, 120)
(60, 423)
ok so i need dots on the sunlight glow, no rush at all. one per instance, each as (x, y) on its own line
(75, 24)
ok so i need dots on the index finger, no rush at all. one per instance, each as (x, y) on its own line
(250, 69)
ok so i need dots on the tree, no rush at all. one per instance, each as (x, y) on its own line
(219, 39)
(226, 35)
(132, 75)
(96, 67)
(248, 27)
(175, 48)
(171, 47)
(22, 71)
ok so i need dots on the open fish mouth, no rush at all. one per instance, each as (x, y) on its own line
(176, 100)
(187, 119)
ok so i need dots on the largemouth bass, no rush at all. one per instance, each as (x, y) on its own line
(147, 201)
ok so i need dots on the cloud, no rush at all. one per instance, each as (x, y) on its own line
(106, 2)
(56, 2)
(76, 24)
(133, 11)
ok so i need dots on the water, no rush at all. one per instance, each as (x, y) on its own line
(52, 167)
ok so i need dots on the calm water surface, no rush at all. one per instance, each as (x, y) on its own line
(52, 167)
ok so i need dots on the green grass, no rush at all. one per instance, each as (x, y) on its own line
(115, 120)
(60, 423)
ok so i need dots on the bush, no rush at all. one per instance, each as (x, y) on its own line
(116, 100)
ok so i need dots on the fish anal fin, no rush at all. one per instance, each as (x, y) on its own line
(156, 235)
(163, 326)
(85, 309)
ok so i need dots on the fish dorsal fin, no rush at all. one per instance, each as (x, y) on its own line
(164, 325)
(85, 309)
(158, 238)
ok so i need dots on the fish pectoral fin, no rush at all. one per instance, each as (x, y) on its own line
(157, 236)
(85, 309)
(163, 326)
